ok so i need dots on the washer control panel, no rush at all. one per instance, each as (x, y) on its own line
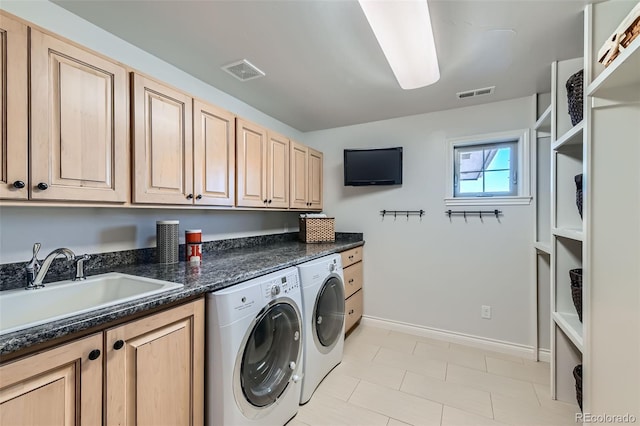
(281, 286)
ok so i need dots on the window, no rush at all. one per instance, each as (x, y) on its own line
(485, 170)
(489, 169)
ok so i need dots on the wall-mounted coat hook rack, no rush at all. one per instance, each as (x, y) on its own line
(495, 212)
(406, 213)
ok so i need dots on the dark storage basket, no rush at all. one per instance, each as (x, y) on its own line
(574, 97)
(578, 180)
(576, 289)
(577, 374)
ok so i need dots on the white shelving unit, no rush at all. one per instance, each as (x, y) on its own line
(542, 230)
(611, 331)
(568, 157)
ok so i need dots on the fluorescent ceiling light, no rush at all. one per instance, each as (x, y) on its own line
(403, 29)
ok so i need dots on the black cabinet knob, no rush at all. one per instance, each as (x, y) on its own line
(42, 186)
(94, 354)
(269, 202)
(190, 196)
(118, 344)
(265, 201)
(18, 184)
(199, 197)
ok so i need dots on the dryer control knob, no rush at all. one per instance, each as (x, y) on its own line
(296, 378)
(332, 267)
(275, 290)
(292, 365)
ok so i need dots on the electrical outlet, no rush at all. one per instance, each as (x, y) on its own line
(485, 312)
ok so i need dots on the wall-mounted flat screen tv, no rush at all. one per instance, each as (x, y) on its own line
(373, 166)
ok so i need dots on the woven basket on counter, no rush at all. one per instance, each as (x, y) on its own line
(317, 229)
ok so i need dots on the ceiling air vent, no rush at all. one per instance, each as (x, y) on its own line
(243, 70)
(476, 92)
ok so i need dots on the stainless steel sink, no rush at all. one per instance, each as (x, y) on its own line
(20, 309)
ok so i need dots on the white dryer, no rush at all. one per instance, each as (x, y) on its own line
(254, 351)
(323, 312)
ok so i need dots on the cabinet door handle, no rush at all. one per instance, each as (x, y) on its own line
(190, 196)
(269, 202)
(118, 345)
(265, 201)
(351, 281)
(42, 186)
(94, 354)
(199, 197)
(351, 257)
(351, 311)
(18, 184)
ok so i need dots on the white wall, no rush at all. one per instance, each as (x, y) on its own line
(435, 272)
(99, 230)
(94, 230)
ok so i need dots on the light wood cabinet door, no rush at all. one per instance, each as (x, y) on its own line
(79, 127)
(13, 109)
(315, 160)
(251, 151)
(352, 279)
(306, 177)
(214, 155)
(155, 369)
(60, 386)
(277, 171)
(163, 143)
(353, 310)
(299, 176)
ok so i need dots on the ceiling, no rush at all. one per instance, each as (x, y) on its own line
(323, 66)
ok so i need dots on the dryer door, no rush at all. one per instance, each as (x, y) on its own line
(328, 314)
(271, 354)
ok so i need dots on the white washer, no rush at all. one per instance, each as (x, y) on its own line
(323, 312)
(254, 351)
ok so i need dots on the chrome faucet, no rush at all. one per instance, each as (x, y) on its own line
(33, 267)
(37, 282)
(80, 267)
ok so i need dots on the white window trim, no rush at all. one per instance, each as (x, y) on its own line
(524, 184)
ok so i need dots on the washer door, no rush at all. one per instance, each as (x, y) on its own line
(328, 314)
(271, 354)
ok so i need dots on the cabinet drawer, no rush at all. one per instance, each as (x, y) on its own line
(352, 279)
(353, 310)
(352, 256)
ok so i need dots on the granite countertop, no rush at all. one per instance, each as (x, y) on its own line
(218, 270)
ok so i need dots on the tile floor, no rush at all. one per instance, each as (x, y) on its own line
(392, 378)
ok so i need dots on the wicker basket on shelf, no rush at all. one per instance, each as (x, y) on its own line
(577, 374)
(317, 229)
(574, 97)
(576, 290)
(621, 38)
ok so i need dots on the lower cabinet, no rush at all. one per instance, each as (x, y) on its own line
(61, 386)
(353, 283)
(153, 370)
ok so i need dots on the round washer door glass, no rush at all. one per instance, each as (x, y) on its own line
(270, 355)
(329, 312)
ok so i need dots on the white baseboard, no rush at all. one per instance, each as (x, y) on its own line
(544, 355)
(515, 349)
